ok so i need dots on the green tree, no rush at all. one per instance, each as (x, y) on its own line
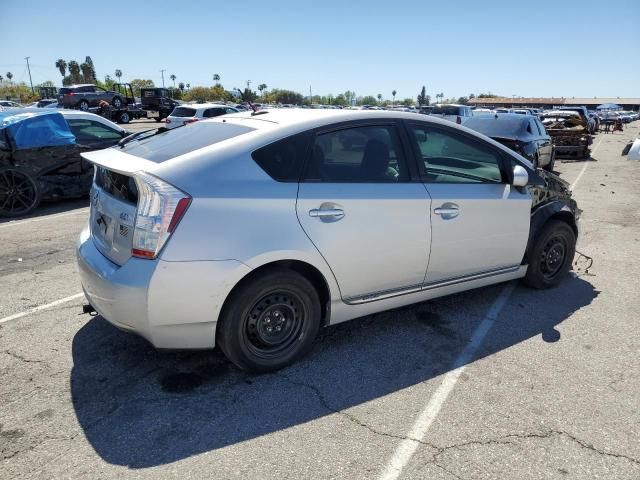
(118, 73)
(379, 98)
(173, 79)
(367, 100)
(422, 96)
(62, 66)
(199, 94)
(407, 102)
(87, 73)
(138, 83)
(181, 87)
(9, 76)
(350, 97)
(216, 78)
(262, 87)
(91, 69)
(188, 86)
(394, 96)
(340, 99)
(462, 100)
(74, 72)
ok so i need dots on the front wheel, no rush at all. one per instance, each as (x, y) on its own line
(270, 322)
(551, 256)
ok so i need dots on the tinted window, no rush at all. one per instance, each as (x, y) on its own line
(64, 90)
(369, 154)
(283, 160)
(541, 128)
(87, 89)
(176, 142)
(89, 130)
(450, 157)
(503, 126)
(446, 110)
(213, 112)
(183, 112)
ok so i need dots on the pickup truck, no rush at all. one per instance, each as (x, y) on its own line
(86, 96)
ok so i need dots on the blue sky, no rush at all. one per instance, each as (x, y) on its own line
(524, 48)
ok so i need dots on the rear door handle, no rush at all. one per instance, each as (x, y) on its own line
(448, 210)
(335, 213)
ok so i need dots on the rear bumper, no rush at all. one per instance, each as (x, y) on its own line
(172, 304)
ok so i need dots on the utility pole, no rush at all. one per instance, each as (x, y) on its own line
(29, 69)
(310, 96)
(162, 72)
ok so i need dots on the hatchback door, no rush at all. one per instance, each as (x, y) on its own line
(360, 208)
(479, 222)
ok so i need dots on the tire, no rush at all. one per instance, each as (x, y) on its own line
(19, 193)
(124, 118)
(270, 321)
(116, 102)
(159, 119)
(83, 105)
(551, 256)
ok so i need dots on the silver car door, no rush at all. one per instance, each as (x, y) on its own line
(360, 208)
(480, 223)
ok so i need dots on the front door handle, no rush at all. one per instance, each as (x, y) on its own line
(447, 211)
(334, 213)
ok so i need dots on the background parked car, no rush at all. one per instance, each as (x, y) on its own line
(524, 134)
(157, 102)
(40, 155)
(452, 112)
(584, 114)
(86, 96)
(197, 111)
(10, 104)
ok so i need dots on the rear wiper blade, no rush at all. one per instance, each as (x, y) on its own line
(135, 136)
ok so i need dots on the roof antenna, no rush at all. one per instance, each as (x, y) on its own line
(253, 107)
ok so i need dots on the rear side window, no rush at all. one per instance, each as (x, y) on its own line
(183, 112)
(213, 112)
(64, 91)
(179, 141)
(283, 159)
(88, 130)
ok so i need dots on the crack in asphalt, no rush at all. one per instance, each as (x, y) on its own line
(21, 358)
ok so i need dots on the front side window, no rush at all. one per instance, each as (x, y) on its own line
(450, 157)
(367, 154)
(89, 130)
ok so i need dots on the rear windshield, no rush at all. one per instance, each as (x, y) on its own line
(181, 140)
(496, 127)
(151, 92)
(446, 110)
(183, 112)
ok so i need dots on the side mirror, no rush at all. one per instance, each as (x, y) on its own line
(520, 176)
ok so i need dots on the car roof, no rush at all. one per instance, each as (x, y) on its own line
(79, 85)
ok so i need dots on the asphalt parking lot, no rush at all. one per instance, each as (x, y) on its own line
(500, 382)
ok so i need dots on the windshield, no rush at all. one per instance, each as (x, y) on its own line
(163, 146)
(496, 127)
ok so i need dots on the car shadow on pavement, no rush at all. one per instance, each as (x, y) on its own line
(51, 207)
(140, 407)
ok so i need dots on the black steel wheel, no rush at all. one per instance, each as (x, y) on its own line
(269, 321)
(551, 256)
(19, 193)
(116, 102)
(125, 117)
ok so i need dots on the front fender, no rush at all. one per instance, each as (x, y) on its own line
(558, 208)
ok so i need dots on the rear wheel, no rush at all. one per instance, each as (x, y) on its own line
(19, 193)
(270, 322)
(83, 105)
(124, 117)
(551, 256)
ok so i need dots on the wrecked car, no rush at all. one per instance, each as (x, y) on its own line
(40, 155)
(569, 132)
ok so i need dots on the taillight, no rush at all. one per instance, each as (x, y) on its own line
(191, 120)
(160, 208)
(70, 94)
(167, 120)
(458, 120)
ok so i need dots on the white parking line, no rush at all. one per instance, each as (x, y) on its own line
(584, 168)
(408, 446)
(16, 223)
(41, 307)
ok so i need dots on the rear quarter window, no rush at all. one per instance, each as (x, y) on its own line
(284, 159)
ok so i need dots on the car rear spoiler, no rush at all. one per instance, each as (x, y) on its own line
(118, 161)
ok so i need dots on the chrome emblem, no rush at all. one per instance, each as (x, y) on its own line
(124, 217)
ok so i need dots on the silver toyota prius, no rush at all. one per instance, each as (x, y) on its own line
(254, 230)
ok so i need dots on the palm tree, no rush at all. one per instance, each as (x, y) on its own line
(9, 76)
(379, 97)
(188, 86)
(216, 78)
(74, 71)
(181, 87)
(87, 72)
(118, 73)
(62, 66)
(441, 96)
(173, 79)
(394, 96)
(262, 87)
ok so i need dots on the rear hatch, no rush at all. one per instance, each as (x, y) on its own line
(180, 116)
(62, 92)
(446, 112)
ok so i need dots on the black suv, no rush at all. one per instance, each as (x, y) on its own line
(157, 102)
(85, 96)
